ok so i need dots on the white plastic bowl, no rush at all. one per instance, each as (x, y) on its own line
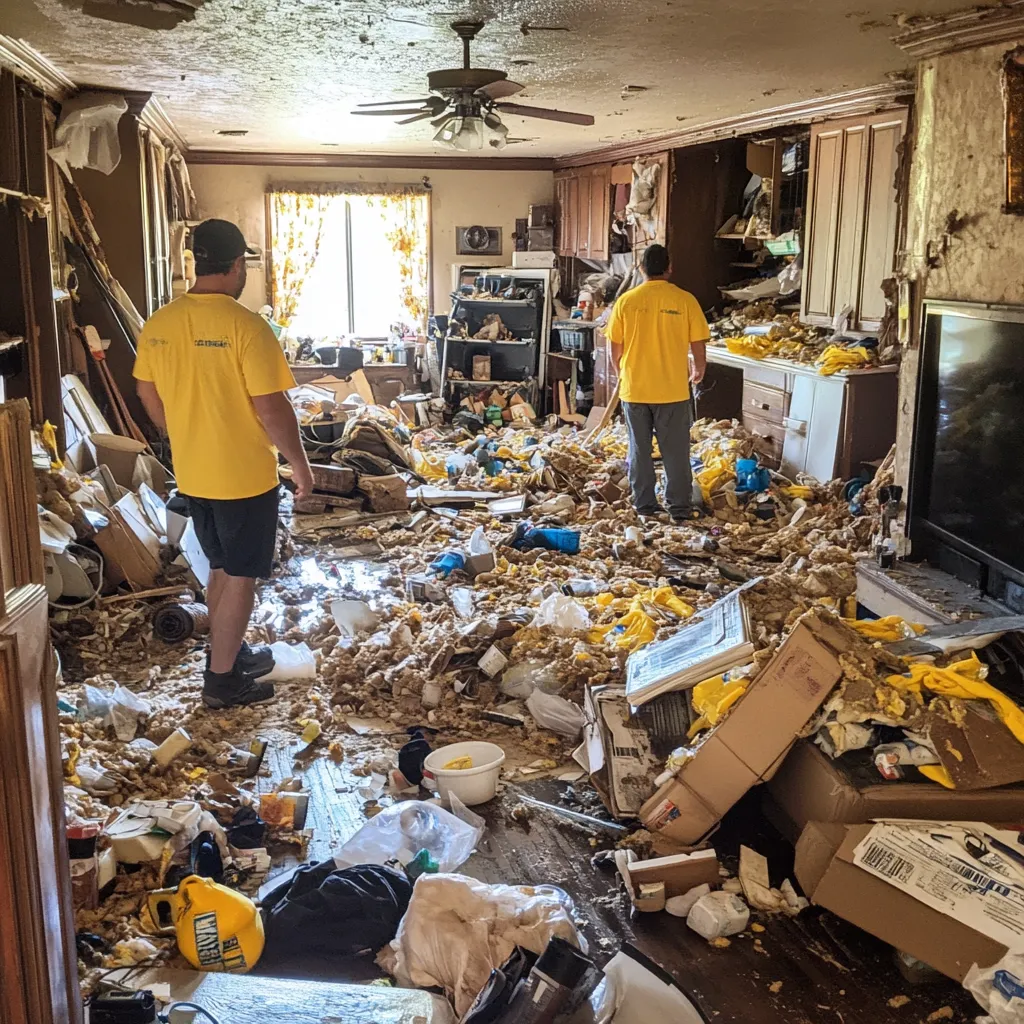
(472, 786)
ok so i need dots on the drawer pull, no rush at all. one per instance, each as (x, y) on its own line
(796, 426)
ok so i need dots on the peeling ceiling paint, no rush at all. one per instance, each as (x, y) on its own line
(288, 72)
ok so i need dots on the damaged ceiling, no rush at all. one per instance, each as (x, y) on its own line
(288, 72)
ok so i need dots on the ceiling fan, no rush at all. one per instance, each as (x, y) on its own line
(465, 103)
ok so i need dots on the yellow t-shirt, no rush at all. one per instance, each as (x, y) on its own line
(208, 355)
(655, 324)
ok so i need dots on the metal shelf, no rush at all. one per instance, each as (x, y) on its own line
(495, 302)
(481, 341)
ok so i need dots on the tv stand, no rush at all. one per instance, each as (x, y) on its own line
(919, 592)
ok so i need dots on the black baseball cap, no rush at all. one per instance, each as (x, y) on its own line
(219, 241)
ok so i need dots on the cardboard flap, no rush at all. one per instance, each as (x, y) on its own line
(980, 753)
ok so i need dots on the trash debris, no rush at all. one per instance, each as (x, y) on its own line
(717, 915)
(457, 930)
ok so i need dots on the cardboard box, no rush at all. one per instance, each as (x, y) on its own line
(809, 786)
(747, 747)
(829, 877)
(679, 873)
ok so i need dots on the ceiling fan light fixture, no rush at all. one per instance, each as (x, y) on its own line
(463, 133)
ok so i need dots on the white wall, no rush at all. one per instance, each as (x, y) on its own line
(459, 197)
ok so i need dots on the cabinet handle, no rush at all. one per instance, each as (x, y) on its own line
(760, 405)
(796, 426)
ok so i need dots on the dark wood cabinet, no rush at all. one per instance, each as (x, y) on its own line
(852, 218)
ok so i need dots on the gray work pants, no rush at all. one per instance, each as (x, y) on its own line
(670, 422)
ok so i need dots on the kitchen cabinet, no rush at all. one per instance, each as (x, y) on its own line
(852, 218)
(583, 199)
(826, 427)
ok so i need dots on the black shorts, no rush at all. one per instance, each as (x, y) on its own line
(238, 535)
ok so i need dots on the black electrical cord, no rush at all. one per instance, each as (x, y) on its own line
(190, 1006)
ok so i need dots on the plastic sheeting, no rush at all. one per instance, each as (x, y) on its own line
(86, 134)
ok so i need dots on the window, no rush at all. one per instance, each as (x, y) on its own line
(349, 261)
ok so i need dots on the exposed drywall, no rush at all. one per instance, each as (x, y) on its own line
(959, 182)
(458, 198)
(957, 190)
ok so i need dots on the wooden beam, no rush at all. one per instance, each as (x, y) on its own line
(413, 161)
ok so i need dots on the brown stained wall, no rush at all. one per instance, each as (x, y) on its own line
(958, 165)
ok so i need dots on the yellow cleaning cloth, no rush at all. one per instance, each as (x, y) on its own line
(887, 630)
(713, 698)
(963, 680)
(638, 627)
(836, 358)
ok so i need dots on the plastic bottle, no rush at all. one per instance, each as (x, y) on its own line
(544, 992)
(584, 588)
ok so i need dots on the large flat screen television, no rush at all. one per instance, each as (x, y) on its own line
(967, 492)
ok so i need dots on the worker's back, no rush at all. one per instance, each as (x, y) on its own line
(208, 355)
(655, 324)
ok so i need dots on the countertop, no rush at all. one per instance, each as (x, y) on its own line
(720, 354)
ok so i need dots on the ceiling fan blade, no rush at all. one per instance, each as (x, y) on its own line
(500, 90)
(402, 103)
(548, 115)
(389, 113)
(418, 117)
(441, 120)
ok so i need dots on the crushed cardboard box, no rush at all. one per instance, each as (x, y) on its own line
(750, 743)
(827, 870)
(809, 786)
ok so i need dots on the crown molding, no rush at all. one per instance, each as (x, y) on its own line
(843, 104)
(383, 161)
(154, 116)
(31, 65)
(964, 30)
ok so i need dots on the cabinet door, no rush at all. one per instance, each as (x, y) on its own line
(600, 213)
(852, 218)
(881, 217)
(823, 192)
(583, 205)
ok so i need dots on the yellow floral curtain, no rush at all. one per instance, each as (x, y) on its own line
(406, 219)
(296, 226)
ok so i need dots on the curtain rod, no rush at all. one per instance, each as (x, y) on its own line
(351, 187)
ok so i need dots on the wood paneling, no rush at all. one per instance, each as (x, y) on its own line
(853, 218)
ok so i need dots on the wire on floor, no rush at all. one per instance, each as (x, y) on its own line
(191, 1006)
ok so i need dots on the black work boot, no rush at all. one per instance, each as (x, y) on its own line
(233, 689)
(251, 661)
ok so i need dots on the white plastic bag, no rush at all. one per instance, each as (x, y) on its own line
(479, 544)
(127, 709)
(353, 617)
(86, 134)
(718, 914)
(399, 832)
(297, 662)
(999, 989)
(521, 679)
(562, 614)
(457, 930)
(556, 713)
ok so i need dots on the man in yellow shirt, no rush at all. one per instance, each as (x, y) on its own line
(212, 375)
(658, 335)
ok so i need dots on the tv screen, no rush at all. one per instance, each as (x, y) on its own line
(976, 490)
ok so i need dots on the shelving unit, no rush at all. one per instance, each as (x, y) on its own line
(529, 320)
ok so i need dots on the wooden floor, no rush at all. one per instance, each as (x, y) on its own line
(829, 970)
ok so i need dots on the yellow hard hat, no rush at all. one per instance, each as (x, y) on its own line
(217, 928)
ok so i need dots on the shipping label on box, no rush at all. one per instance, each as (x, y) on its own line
(955, 868)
